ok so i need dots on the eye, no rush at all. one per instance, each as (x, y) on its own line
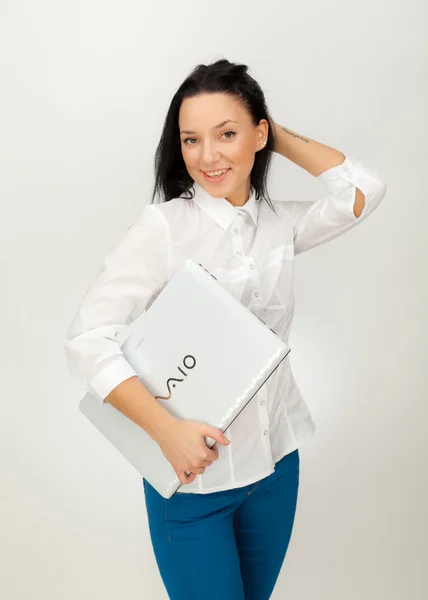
(186, 140)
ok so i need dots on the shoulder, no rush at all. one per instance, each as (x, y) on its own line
(286, 209)
(171, 209)
(164, 213)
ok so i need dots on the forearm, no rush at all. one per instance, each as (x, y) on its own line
(133, 400)
(312, 156)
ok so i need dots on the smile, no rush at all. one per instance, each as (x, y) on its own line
(216, 176)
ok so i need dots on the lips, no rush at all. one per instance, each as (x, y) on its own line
(215, 179)
(216, 170)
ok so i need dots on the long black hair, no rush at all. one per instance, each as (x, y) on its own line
(171, 176)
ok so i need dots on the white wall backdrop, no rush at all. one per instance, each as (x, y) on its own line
(84, 88)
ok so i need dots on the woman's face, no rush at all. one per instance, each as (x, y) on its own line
(216, 133)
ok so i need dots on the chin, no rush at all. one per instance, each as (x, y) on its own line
(216, 191)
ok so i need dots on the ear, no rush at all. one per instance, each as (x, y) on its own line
(262, 130)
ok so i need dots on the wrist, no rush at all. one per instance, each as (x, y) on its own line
(162, 425)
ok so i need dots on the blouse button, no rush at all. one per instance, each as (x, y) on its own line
(252, 266)
(266, 431)
(263, 402)
(239, 252)
(236, 230)
(257, 294)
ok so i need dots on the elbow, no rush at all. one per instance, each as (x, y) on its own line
(378, 194)
(366, 203)
(359, 203)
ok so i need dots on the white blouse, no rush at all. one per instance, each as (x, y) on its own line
(250, 250)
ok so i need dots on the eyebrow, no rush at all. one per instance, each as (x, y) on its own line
(215, 126)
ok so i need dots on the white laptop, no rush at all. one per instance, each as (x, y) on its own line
(202, 354)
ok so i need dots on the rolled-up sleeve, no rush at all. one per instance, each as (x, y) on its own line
(132, 273)
(321, 220)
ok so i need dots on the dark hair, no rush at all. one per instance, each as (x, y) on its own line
(171, 176)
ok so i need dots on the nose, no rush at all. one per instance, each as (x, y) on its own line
(210, 154)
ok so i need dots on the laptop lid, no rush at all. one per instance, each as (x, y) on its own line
(202, 354)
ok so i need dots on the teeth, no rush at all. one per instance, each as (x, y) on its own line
(216, 173)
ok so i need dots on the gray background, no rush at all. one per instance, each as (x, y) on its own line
(85, 86)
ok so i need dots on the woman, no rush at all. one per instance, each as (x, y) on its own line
(226, 531)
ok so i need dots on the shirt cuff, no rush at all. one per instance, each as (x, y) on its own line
(353, 172)
(115, 370)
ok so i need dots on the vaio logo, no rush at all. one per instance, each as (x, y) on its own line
(188, 366)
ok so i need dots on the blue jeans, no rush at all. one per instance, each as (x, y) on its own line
(229, 544)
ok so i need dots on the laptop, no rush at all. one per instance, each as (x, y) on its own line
(202, 354)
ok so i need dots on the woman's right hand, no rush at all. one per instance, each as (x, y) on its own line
(183, 444)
